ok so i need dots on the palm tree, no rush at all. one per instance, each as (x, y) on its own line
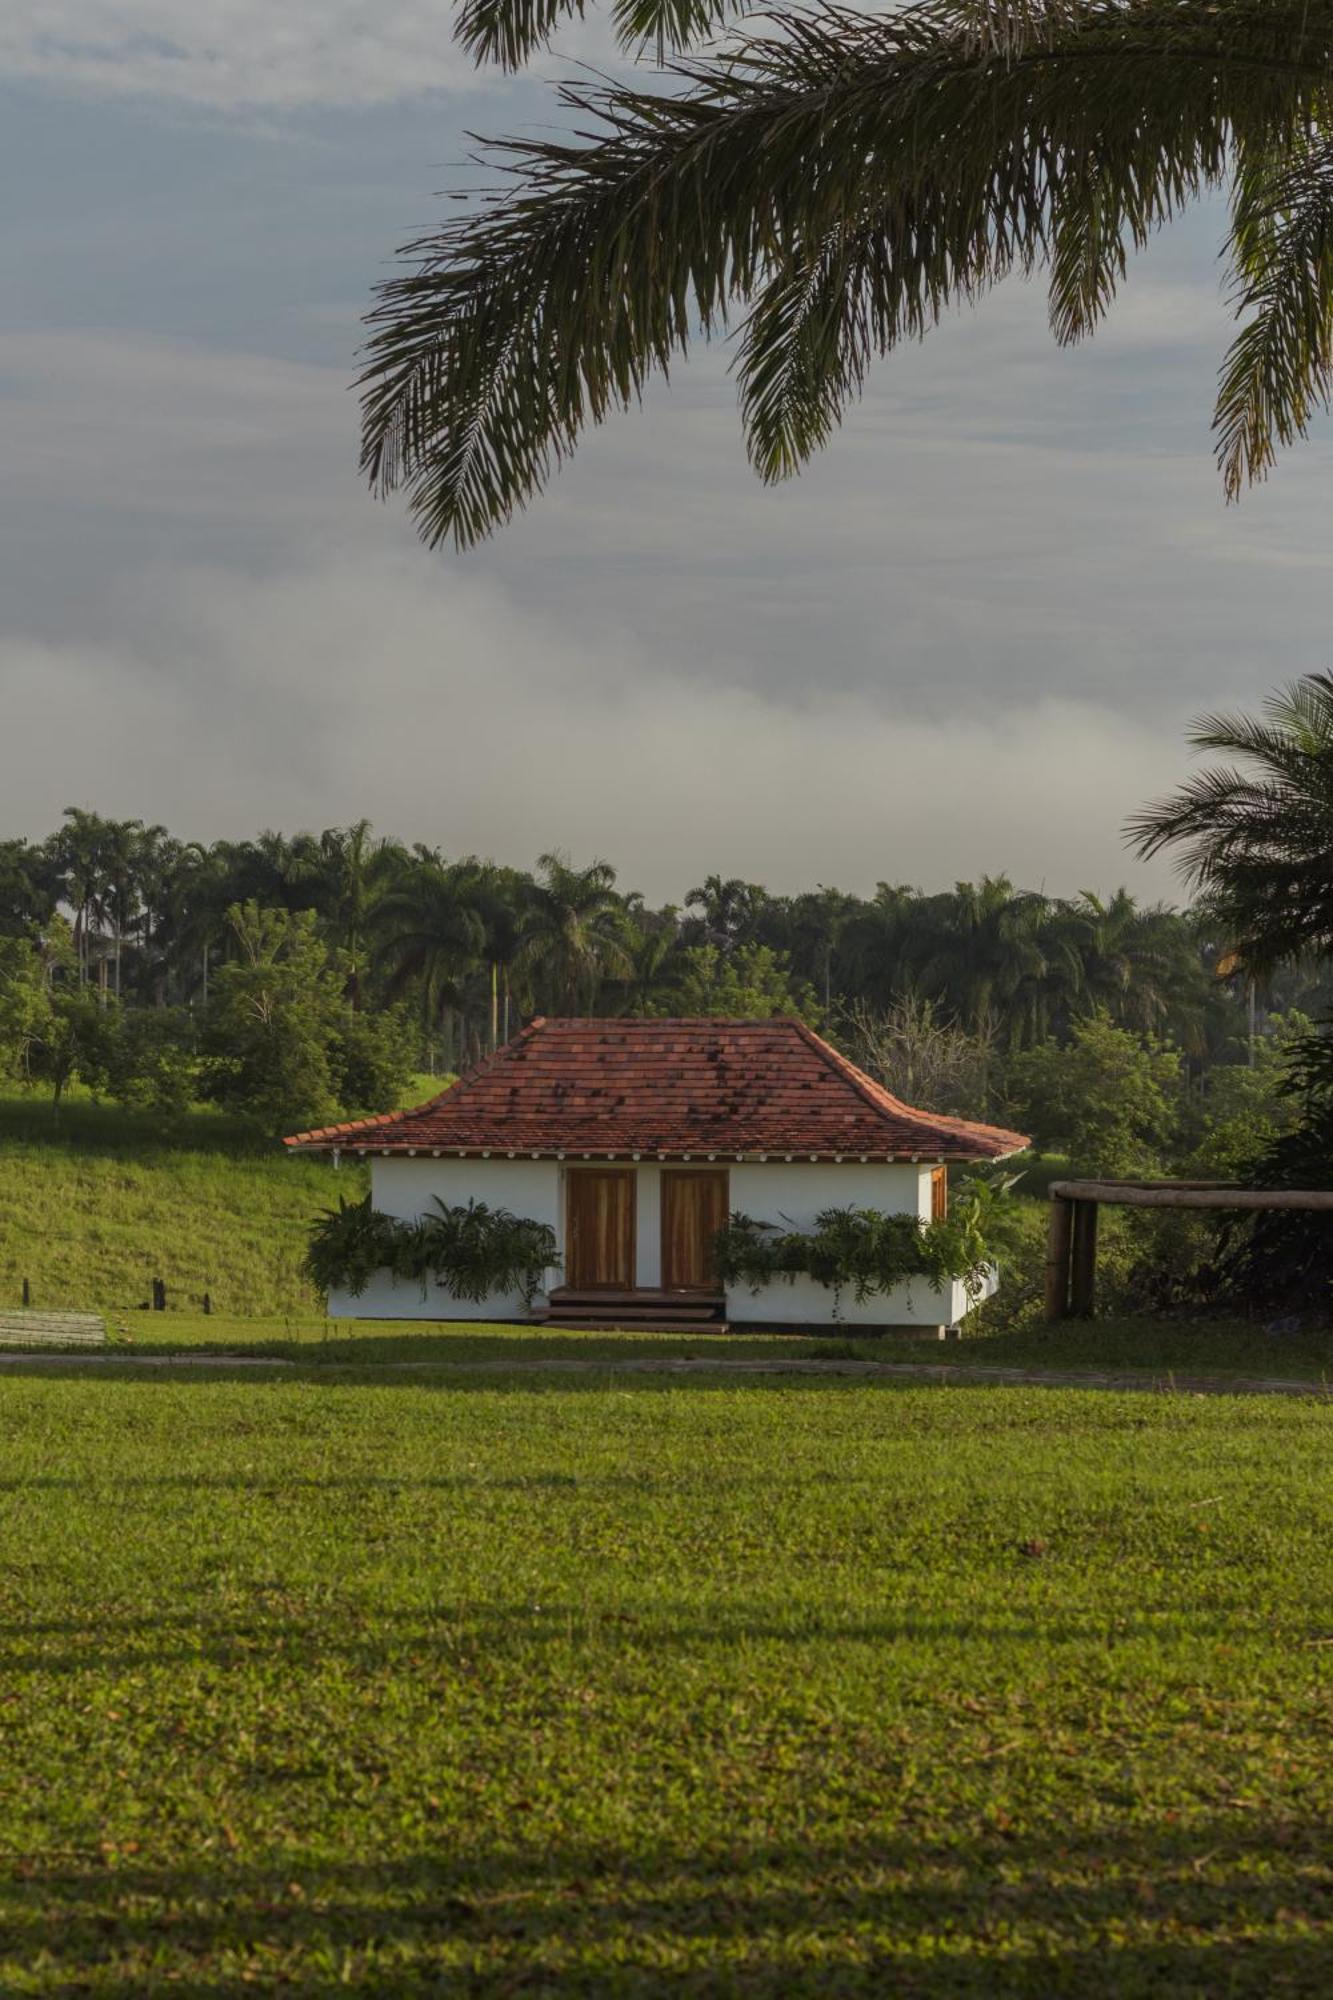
(574, 931)
(1140, 965)
(1255, 838)
(837, 182)
(357, 869)
(728, 911)
(429, 938)
(982, 956)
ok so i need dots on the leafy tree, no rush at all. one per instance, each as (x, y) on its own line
(276, 1012)
(150, 1058)
(1245, 1106)
(1111, 1097)
(748, 984)
(25, 1005)
(837, 183)
(1255, 837)
(1285, 1256)
(371, 1058)
(76, 1040)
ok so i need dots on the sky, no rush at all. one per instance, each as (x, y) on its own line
(968, 639)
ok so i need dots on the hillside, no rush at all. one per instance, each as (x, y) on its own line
(96, 1201)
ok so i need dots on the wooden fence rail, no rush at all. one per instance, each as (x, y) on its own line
(1071, 1246)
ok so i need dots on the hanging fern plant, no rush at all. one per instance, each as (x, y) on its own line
(868, 1252)
(472, 1251)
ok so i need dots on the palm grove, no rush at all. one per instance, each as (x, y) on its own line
(295, 977)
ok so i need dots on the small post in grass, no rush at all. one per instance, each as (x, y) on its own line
(1057, 1258)
(159, 1295)
(1083, 1260)
(27, 1293)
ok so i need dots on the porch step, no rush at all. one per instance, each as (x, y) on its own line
(617, 1323)
(634, 1309)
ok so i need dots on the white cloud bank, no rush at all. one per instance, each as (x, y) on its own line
(233, 54)
(445, 714)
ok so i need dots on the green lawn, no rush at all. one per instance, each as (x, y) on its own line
(457, 1682)
(96, 1202)
(1149, 1347)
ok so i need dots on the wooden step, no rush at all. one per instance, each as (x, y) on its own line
(683, 1302)
(692, 1308)
(613, 1323)
(596, 1298)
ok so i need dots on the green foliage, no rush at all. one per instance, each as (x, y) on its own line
(1285, 1257)
(867, 1251)
(472, 1250)
(1111, 1098)
(77, 1041)
(151, 1061)
(832, 184)
(349, 1244)
(25, 1005)
(1254, 835)
(276, 1010)
(1244, 1106)
(751, 983)
(371, 1057)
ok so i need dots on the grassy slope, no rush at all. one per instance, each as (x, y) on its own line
(97, 1202)
(568, 1685)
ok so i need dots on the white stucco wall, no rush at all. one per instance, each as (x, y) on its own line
(788, 1193)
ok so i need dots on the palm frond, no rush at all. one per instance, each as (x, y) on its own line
(1280, 366)
(510, 32)
(847, 177)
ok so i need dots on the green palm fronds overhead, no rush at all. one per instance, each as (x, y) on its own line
(831, 183)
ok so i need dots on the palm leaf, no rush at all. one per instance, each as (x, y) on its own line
(844, 177)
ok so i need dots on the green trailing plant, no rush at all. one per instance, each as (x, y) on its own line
(867, 1251)
(474, 1250)
(348, 1244)
(471, 1250)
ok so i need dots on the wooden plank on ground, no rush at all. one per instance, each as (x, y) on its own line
(52, 1329)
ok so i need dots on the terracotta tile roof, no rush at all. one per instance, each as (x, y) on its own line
(672, 1088)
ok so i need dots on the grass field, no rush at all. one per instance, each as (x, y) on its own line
(491, 1682)
(96, 1201)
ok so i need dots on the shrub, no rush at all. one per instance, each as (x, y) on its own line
(471, 1250)
(869, 1252)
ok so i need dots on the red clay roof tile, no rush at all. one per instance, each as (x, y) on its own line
(670, 1087)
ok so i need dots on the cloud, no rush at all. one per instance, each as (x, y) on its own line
(966, 640)
(446, 714)
(232, 54)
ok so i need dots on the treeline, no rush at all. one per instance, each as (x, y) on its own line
(296, 976)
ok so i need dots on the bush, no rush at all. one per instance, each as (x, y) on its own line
(151, 1059)
(472, 1250)
(867, 1251)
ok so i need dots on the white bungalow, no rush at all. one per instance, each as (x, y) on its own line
(635, 1140)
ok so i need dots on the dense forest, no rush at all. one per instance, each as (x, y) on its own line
(298, 975)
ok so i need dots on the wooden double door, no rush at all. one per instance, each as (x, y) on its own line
(601, 1236)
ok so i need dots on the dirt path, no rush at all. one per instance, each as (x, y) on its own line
(944, 1375)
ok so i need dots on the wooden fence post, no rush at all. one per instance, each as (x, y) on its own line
(1083, 1261)
(1057, 1258)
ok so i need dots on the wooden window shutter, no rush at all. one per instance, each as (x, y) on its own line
(939, 1193)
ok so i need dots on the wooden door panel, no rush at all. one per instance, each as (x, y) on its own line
(599, 1229)
(694, 1208)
